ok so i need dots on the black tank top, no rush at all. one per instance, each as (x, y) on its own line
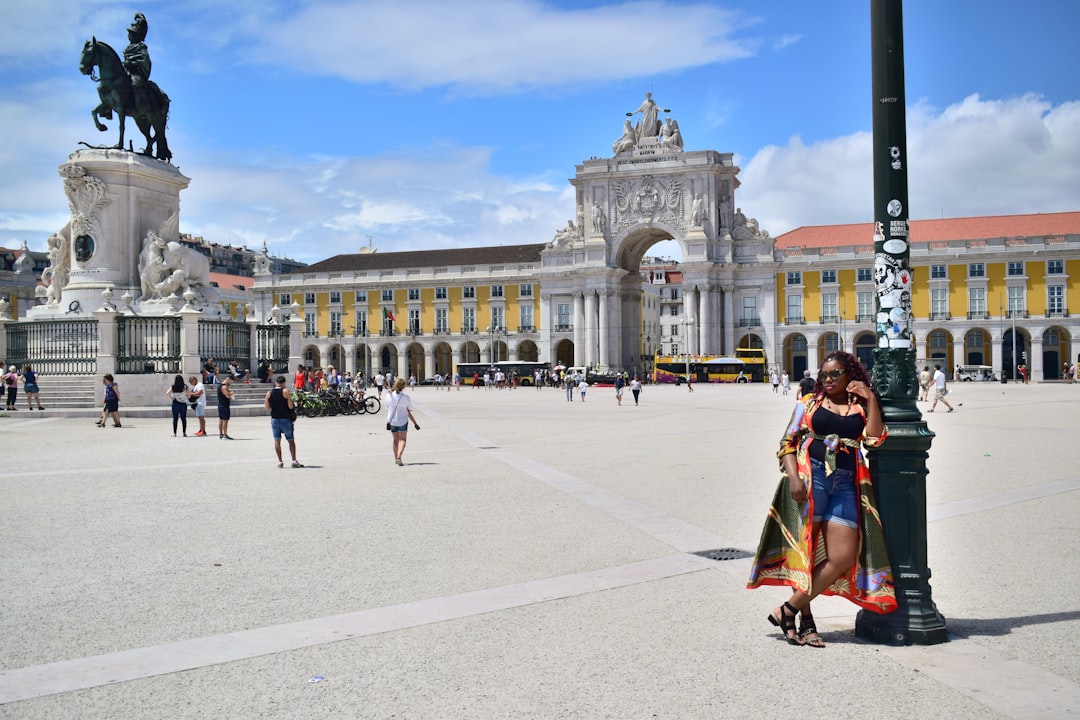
(848, 426)
(279, 406)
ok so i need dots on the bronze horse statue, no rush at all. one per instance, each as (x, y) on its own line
(150, 109)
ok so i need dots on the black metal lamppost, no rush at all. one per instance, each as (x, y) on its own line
(899, 465)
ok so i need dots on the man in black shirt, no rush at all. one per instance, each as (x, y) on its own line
(806, 385)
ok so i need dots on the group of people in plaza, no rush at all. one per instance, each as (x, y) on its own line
(30, 387)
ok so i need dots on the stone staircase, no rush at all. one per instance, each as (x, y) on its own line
(81, 396)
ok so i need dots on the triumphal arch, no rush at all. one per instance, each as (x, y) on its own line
(652, 189)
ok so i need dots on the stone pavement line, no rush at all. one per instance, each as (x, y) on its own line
(971, 505)
(89, 672)
(672, 531)
(1010, 687)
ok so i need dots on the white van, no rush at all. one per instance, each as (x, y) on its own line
(977, 373)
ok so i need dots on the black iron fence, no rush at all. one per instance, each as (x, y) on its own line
(147, 345)
(54, 347)
(272, 344)
(225, 342)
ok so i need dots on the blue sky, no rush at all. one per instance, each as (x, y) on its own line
(320, 127)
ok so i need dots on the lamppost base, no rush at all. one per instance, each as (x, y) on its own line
(916, 622)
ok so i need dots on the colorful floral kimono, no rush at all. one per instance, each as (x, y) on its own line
(786, 548)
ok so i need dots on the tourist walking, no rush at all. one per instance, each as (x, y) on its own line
(583, 386)
(112, 400)
(398, 416)
(178, 394)
(925, 380)
(635, 389)
(940, 389)
(11, 383)
(774, 378)
(279, 402)
(826, 496)
(225, 395)
(785, 382)
(618, 389)
(30, 387)
(197, 398)
(806, 385)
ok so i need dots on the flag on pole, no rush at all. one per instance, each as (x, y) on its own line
(387, 315)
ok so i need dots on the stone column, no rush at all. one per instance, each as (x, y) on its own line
(958, 355)
(106, 329)
(296, 338)
(590, 329)
(605, 336)
(729, 320)
(252, 320)
(704, 320)
(689, 307)
(190, 361)
(1035, 359)
(579, 329)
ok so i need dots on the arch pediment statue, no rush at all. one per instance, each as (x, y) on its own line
(747, 228)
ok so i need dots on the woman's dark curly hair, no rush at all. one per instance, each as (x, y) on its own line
(855, 371)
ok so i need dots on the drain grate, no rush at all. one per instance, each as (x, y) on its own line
(725, 554)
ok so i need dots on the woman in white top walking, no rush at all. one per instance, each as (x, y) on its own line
(398, 416)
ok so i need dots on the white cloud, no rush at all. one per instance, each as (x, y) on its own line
(976, 157)
(488, 47)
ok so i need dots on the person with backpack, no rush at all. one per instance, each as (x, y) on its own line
(112, 401)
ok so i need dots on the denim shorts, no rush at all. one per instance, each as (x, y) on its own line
(400, 428)
(835, 497)
(281, 426)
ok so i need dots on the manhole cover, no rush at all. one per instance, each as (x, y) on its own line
(725, 554)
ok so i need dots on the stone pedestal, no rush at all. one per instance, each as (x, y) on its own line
(115, 198)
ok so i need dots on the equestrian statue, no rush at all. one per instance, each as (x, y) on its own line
(125, 87)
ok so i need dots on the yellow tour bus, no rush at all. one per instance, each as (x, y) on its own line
(708, 368)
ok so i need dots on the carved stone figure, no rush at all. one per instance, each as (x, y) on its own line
(599, 219)
(262, 262)
(649, 125)
(670, 136)
(55, 276)
(124, 86)
(747, 228)
(697, 211)
(566, 236)
(87, 197)
(627, 141)
(650, 200)
(168, 269)
(23, 262)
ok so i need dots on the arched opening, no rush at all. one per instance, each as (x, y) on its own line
(414, 361)
(312, 356)
(470, 352)
(939, 347)
(795, 358)
(444, 358)
(864, 349)
(1014, 354)
(977, 346)
(564, 353)
(1056, 353)
(528, 352)
(363, 360)
(388, 360)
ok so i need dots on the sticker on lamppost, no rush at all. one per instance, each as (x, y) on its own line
(895, 207)
(894, 158)
(892, 282)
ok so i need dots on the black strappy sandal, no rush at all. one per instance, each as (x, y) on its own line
(786, 623)
(807, 628)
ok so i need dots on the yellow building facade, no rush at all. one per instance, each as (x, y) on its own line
(997, 291)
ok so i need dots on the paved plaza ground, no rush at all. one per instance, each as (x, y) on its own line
(532, 559)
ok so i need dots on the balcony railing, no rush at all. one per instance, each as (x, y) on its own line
(1057, 313)
(978, 315)
(795, 320)
(750, 322)
(1016, 313)
(830, 319)
(940, 316)
(526, 328)
(564, 328)
(864, 317)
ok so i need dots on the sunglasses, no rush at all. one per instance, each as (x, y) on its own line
(831, 374)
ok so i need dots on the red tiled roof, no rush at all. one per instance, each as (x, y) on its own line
(232, 282)
(929, 231)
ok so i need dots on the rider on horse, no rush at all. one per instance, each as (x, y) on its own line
(137, 61)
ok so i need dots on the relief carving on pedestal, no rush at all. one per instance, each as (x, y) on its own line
(86, 198)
